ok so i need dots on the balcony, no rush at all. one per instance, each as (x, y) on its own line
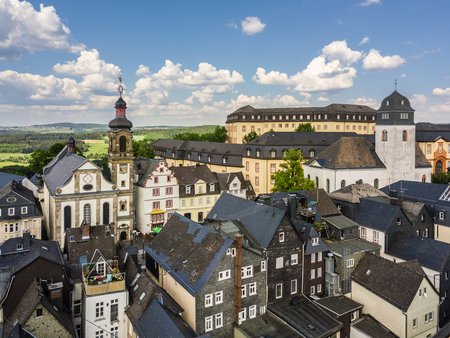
(100, 284)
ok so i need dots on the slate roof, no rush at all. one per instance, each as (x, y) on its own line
(430, 253)
(144, 167)
(341, 222)
(201, 146)
(191, 174)
(17, 188)
(157, 321)
(18, 259)
(188, 251)
(421, 160)
(339, 305)
(428, 193)
(258, 220)
(394, 283)
(430, 132)
(6, 177)
(225, 180)
(355, 245)
(58, 172)
(273, 138)
(395, 102)
(353, 192)
(267, 325)
(369, 211)
(412, 209)
(312, 233)
(100, 238)
(32, 297)
(306, 317)
(348, 153)
(372, 328)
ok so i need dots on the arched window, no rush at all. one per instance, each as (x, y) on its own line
(106, 213)
(317, 182)
(285, 151)
(67, 217)
(122, 144)
(384, 135)
(424, 178)
(309, 176)
(375, 183)
(342, 183)
(405, 136)
(87, 213)
(439, 166)
(273, 153)
(328, 185)
(312, 153)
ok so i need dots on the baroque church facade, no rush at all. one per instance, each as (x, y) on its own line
(76, 190)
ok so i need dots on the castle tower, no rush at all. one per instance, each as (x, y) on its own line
(120, 163)
(395, 137)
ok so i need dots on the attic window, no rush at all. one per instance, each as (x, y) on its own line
(19, 246)
(88, 187)
(402, 102)
(315, 241)
(71, 238)
(387, 103)
(39, 312)
(399, 221)
(11, 199)
(141, 297)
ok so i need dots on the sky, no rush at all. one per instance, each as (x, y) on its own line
(194, 62)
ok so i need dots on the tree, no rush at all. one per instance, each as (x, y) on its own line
(218, 135)
(250, 137)
(443, 178)
(143, 148)
(305, 127)
(290, 176)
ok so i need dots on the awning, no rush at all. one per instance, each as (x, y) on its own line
(156, 211)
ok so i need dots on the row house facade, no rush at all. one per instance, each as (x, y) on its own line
(333, 118)
(212, 277)
(19, 212)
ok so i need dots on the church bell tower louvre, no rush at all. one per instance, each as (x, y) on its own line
(121, 166)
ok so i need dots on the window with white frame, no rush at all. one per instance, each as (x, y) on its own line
(279, 291)
(244, 291)
(376, 236)
(99, 310)
(218, 297)
(247, 271)
(312, 290)
(252, 311)
(313, 257)
(10, 211)
(293, 286)
(208, 323)
(114, 332)
(354, 315)
(281, 237)
(350, 263)
(208, 300)
(263, 265)
(319, 256)
(225, 274)
(252, 289)
(294, 259)
(279, 263)
(242, 315)
(24, 210)
(363, 232)
(219, 320)
(188, 189)
(315, 241)
(319, 288)
(212, 187)
(441, 215)
(262, 310)
(313, 273)
(428, 317)
(319, 272)
(99, 334)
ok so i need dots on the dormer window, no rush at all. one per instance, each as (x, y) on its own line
(212, 187)
(315, 241)
(312, 153)
(188, 189)
(247, 152)
(387, 103)
(19, 246)
(258, 153)
(441, 215)
(224, 160)
(281, 237)
(273, 153)
(399, 221)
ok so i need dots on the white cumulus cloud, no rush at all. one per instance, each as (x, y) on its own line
(365, 101)
(24, 29)
(418, 100)
(368, 3)
(252, 25)
(441, 91)
(374, 60)
(338, 50)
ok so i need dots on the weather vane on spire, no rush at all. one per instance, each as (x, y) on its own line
(395, 85)
(120, 86)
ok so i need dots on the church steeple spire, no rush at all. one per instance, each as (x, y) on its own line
(121, 121)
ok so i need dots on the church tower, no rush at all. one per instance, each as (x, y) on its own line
(395, 137)
(121, 166)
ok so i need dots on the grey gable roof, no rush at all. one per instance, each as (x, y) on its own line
(348, 153)
(369, 211)
(259, 220)
(424, 192)
(60, 169)
(191, 174)
(188, 251)
(6, 177)
(144, 167)
(273, 138)
(393, 282)
(225, 180)
(430, 253)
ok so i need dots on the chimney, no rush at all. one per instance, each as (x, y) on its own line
(85, 230)
(26, 240)
(238, 277)
(70, 145)
(292, 204)
(55, 291)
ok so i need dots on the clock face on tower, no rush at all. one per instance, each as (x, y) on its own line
(123, 169)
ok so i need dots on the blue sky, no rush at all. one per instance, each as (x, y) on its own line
(194, 62)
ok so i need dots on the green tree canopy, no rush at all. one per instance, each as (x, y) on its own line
(218, 135)
(143, 148)
(290, 176)
(443, 178)
(250, 137)
(305, 127)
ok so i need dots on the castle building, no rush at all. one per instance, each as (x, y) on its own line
(332, 118)
(396, 155)
(76, 190)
